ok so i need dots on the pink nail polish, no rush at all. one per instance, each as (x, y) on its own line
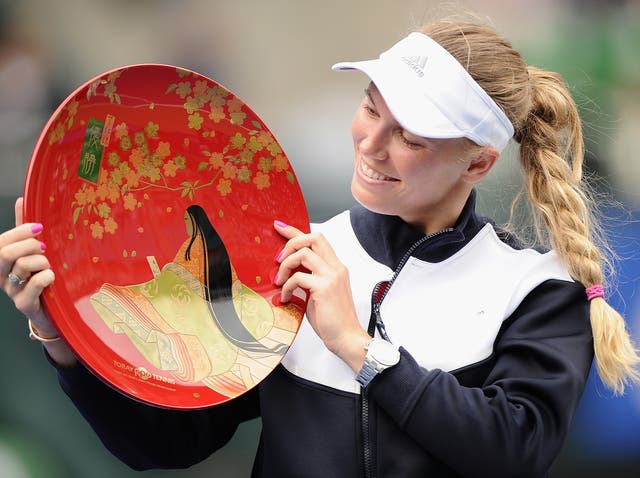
(280, 223)
(278, 256)
(36, 228)
(43, 246)
(275, 279)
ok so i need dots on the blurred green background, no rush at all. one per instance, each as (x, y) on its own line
(276, 56)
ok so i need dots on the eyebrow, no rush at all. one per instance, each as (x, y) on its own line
(367, 91)
(428, 141)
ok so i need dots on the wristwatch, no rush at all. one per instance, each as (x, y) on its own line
(380, 356)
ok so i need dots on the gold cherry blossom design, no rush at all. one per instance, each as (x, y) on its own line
(141, 160)
(136, 167)
(63, 122)
(109, 89)
(65, 118)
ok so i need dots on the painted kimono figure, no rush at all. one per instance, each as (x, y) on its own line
(195, 319)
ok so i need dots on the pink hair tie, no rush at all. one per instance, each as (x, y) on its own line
(595, 291)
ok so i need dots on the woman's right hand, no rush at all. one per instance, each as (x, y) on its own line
(22, 258)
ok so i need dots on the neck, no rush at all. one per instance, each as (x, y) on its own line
(442, 215)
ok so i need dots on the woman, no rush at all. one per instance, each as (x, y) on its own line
(481, 347)
(218, 278)
(195, 320)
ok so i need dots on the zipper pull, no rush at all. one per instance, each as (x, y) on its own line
(379, 323)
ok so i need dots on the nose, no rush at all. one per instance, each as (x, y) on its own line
(374, 143)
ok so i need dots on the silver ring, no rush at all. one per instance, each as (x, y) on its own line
(15, 279)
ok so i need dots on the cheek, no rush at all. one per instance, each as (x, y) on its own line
(360, 125)
(356, 129)
(425, 173)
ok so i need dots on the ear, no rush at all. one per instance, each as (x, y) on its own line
(481, 163)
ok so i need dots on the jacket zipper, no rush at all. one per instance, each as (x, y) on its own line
(375, 321)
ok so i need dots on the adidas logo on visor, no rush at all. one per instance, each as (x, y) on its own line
(417, 63)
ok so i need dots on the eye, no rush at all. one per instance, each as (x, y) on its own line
(368, 105)
(370, 110)
(408, 142)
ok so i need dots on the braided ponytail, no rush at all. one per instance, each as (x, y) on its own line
(547, 126)
(551, 155)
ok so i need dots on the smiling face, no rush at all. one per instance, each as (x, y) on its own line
(424, 181)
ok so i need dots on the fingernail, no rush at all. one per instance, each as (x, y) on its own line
(36, 228)
(280, 223)
(43, 246)
(275, 279)
(278, 256)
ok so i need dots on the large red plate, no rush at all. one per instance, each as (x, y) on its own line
(158, 189)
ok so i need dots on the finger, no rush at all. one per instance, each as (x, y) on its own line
(26, 266)
(302, 258)
(302, 280)
(18, 209)
(20, 233)
(314, 241)
(286, 230)
(10, 253)
(27, 300)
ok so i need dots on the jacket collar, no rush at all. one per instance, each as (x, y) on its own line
(387, 238)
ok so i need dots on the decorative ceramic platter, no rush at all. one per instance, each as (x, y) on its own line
(158, 189)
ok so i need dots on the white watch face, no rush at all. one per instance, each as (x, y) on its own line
(384, 352)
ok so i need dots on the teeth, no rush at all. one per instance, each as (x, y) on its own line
(370, 173)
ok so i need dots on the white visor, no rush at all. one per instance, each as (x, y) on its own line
(431, 95)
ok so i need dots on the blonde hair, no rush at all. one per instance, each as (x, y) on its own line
(548, 128)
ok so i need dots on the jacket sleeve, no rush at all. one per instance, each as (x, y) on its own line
(514, 423)
(144, 436)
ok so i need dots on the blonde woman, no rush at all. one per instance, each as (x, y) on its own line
(435, 343)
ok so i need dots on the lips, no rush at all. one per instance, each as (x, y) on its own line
(373, 174)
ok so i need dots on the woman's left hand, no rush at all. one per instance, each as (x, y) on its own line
(330, 308)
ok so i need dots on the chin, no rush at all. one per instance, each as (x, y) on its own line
(371, 205)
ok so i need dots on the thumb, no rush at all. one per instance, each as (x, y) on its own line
(18, 208)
